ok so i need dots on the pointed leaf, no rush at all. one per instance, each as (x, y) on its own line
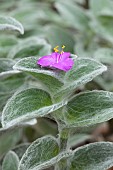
(28, 104)
(93, 156)
(9, 23)
(10, 162)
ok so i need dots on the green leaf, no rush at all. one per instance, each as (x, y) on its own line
(9, 23)
(6, 43)
(83, 71)
(6, 67)
(21, 149)
(8, 85)
(102, 26)
(10, 162)
(30, 47)
(61, 36)
(101, 7)
(93, 156)
(41, 154)
(87, 108)
(28, 104)
(73, 15)
(105, 55)
(8, 139)
(45, 75)
(77, 139)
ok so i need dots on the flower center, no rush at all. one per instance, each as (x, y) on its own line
(59, 55)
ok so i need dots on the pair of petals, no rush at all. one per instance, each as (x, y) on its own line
(57, 60)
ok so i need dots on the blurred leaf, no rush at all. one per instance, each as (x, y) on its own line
(87, 108)
(6, 67)
(10, 162)
(21, 149)
(6, 5)
(59, 36)
(101, 7)
(26, 105)
(8, 139)
(6, 43)
(8, 85)
(9, 23)
(73, 15)
(78, 139)
(105, 55)
(93, 156)
(30, 47)
(102, 26)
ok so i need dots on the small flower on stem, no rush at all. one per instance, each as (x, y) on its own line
(61, 61)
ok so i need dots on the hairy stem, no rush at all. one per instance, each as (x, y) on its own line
(64, 146)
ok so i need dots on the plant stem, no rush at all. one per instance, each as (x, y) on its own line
(64, 146)
(63, 138)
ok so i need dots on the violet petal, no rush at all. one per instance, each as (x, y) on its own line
(65, 65)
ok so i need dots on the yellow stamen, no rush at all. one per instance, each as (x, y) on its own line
(62, 49)
(56, 49)
(63, 46)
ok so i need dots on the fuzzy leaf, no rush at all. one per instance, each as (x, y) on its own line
(28, 104)
(9, 23)
(10, 162)
(88, 108)
(45, 75)
(41, 154)
(93, 156)
(83, 71)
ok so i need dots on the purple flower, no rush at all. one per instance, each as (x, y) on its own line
(57, 60)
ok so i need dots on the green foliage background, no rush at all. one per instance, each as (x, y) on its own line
(86, 29)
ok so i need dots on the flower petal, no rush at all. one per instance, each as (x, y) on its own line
(65, 65)
(47, 60)
(64, 56)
